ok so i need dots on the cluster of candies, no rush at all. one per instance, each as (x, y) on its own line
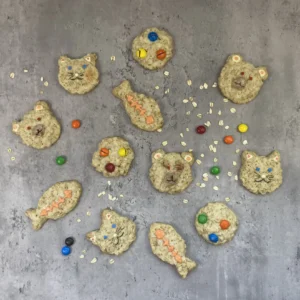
(109, 167)
(66, 250)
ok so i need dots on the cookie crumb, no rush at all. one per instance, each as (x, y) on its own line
(185, 201)
(46, 83)
(232, 110)
(88, 213)
(111, 261)
(199, 116)
(201, 87)
(187, 129)
(226, 127)
(189, 82)
(214, 85)
(211, 104)
(108, 182)
(101, 194)
(13, 158)
(236, 177)
(216, 142)
(188, 113)
(8, 150)
(157, 87)
(219, 113)
(221, 123)
(167, 91)
(234, 163)
(245, 142)
(81, 256)
(217, 177)
(185, 100)
(121, 196)
(198, 184)
(205, 175)
(237, 150)
(191, 99)
(110, 197)
(12, 75)
(181, 134)
(42, 79)
(183, 143)
(215, 159)
(227, 199)
(194, 104)
(41, 92)
(210, 111)
(215, 188)
(202, 155)
(205, 85)
(198, 161)
(207, 124)
(229, 174)
(225, 100)
(83, 251)
(164, 143)
(93, 260)
(166, 73)
(202, 185)
(25, 71)
(112, 58)
(159, 130)
(78, 220)
(191, 150)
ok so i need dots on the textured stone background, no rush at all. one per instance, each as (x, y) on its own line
(262, 262)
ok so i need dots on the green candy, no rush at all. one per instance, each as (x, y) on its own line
(202, 218)
(60, 160)
(215, 170)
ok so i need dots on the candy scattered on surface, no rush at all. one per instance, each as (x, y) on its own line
(152, 36)
(228, 139)
(201, 129)
(215, 170)
(243, 128)
(141, 53)
(122, 152)
(60, 160)
(65, 250)
(76, 124)
(161, 54)
(202, 218)
(224, 224)
(69, 241)
(110, 167)
(213, 238)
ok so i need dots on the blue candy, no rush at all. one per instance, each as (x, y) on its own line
(213, 238)
(65, 250)
(270, 170)
(69, 67)
(113, 225)
(152, 36)
(84, 66)
(257, 169)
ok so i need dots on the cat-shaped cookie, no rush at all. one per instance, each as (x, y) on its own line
(171, 172)
(261, 174)
(78, 76)
(39, 128)
(240, 81)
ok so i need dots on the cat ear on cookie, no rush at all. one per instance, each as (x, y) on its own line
(91, 58)
(247, 155)
(263, 72)
(63, 60)
(158, 155)
(188, 157)
(15, 127)
(41, 105)
(275, 155)
(234, 58)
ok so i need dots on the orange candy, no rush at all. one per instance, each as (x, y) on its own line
(161, 54)
(224, 224)
(104, 152)
(76, 124)
(228, 139)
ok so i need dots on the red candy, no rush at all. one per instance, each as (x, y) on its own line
(201, 129)
(110, 167)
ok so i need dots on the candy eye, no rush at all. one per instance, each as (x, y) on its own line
(113, 226)
(69, 68)
(104, 152)
(242, 73)
(105, 237)
(28, 128)
(39, 119)
(84, 66)
(250, 78)
(270, 170)
(257, 169)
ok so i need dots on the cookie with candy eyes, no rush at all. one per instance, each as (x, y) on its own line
(39, 128)
(116, 233)
(113, 157)
(241, 81)
(171, 172)
(216, 223)
(78, 76)
(153, 48)
(261, 174)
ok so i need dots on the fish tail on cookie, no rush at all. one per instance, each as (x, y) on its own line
(37, 220)
(122, 90)
(185, 267)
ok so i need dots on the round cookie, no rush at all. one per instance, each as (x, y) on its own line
(113, 157)
(216, 223)
(153, 48)
(240, 81)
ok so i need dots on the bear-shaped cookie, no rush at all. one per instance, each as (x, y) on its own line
(39, 128)
(171, 172)
(240, 81)
(115, 235)
(78, 76)
(261, 174)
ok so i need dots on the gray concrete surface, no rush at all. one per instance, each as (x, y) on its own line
(262, 262)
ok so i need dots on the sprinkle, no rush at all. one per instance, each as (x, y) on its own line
(216, 142)
(207, 123)
(198, 161)
(108, 182)
(93, 260)
(183, 143)
(215, 159)
(88, 213)
(202, 185)
(121, 196)
(78, 220)
(211, 104)
(199, 116)
(205, 175)
(234, 163)
(42, 79)
(227, 199)
(46, 83)
(237, 150)
(165, 143)
(202, 155)
(167, 91)
(217, 177)
(226, 127)
(188, 113)
(159, 130)
(201, 87)
(236, 177)
(181, 134)
(245, 142)
(214, 85)
(229, 174)
(189, 82)
(205, 85)
(185, 100)
(225, 100)
(185, 201)
(81, 256)
(157, 87)
(13, 158)
(191, 98)
(166, 73)
(12, 75)
(221, 123)
(25, 71)
(9, 150)
(233, 110)
(215, 188)
(111, 261)
(112, 58)
(187, 129)
(191, 150)
(194, 104)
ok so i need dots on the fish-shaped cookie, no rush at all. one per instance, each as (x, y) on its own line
(143, 111)
(170, 247)
(55, 203)
(115, 235)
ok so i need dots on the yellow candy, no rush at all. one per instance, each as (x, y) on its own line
(243, 128)
(122, 152)
(141, 53)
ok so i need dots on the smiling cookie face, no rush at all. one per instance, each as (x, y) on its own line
(216, 223)
(261, 174)
(39, 128)
(153, 48)
(240, 81)
(171, 172)
(115, 235)
(113, 157)
(78, 76)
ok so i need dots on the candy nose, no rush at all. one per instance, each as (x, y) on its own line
(263, 176)
(110, 167)
(76, 74)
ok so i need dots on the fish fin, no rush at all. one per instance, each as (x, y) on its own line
(122, 90)
(37, 220)
(186, 266)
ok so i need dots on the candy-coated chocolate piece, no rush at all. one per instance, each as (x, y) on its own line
(215, 170)
(141, 53)
(243, 128)
(110, 167)
(104, 152)
(60, 160)
(76, 124)
(201, 129)
(65, 250)
(213, 238)
(69, 241)
(122, 152)
(202, 218)
(228, 139)
(161, 54)
(224, 224)
(152, 36)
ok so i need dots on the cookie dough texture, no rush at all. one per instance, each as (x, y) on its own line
(122, 163)
(38, 128)
(143, 111)
(171, 172)
(78, 76)
(56, 202)
(116, 233)
(261, 174)
(240, 81)
(217, 212)
(170, 247)
(164, 42)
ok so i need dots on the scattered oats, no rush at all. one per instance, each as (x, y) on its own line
(165, 143)
(42, 79)
(8, 150)
(215, 159)
(205, 175)
(194, 104)
(78, 220)
(207, 123)
(234, 163)
(93, 260)
(226, 127)
(233, 110)
(81, 256)
(237, 150)
(110, 197)
(191, 99)
(205, 178)
(245, 142)
(201, 87)
(199, 116)
(167, 91)
(114, 198)
(83, 251)
(227, 199)
(205, 85)
(198, 184)
(225, 100)
(101, 194)
(157, 87)
(111, 261)
(108, 182)
(12, 75)
(25, 71)
(187, 129)
(46, 83)
(198, 161)
(13, 158)
(166, 73)
(219, 113)
(215, 188)
(121, 196)
(183, 143)
(214, 85)
(191, 150)
(188, 113)
(41, 92)
(216, 142)
(210, 111)
(185, 100)
(88, 213)
(112, 58)
(236, 177)
(189, 82)
(202, 185)
(211, 104)
(185, 201)
(217, 177)
(221, 123)
(202, 155)
(214, 149)
(181, 134)
(229, 174)
(159, 130)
